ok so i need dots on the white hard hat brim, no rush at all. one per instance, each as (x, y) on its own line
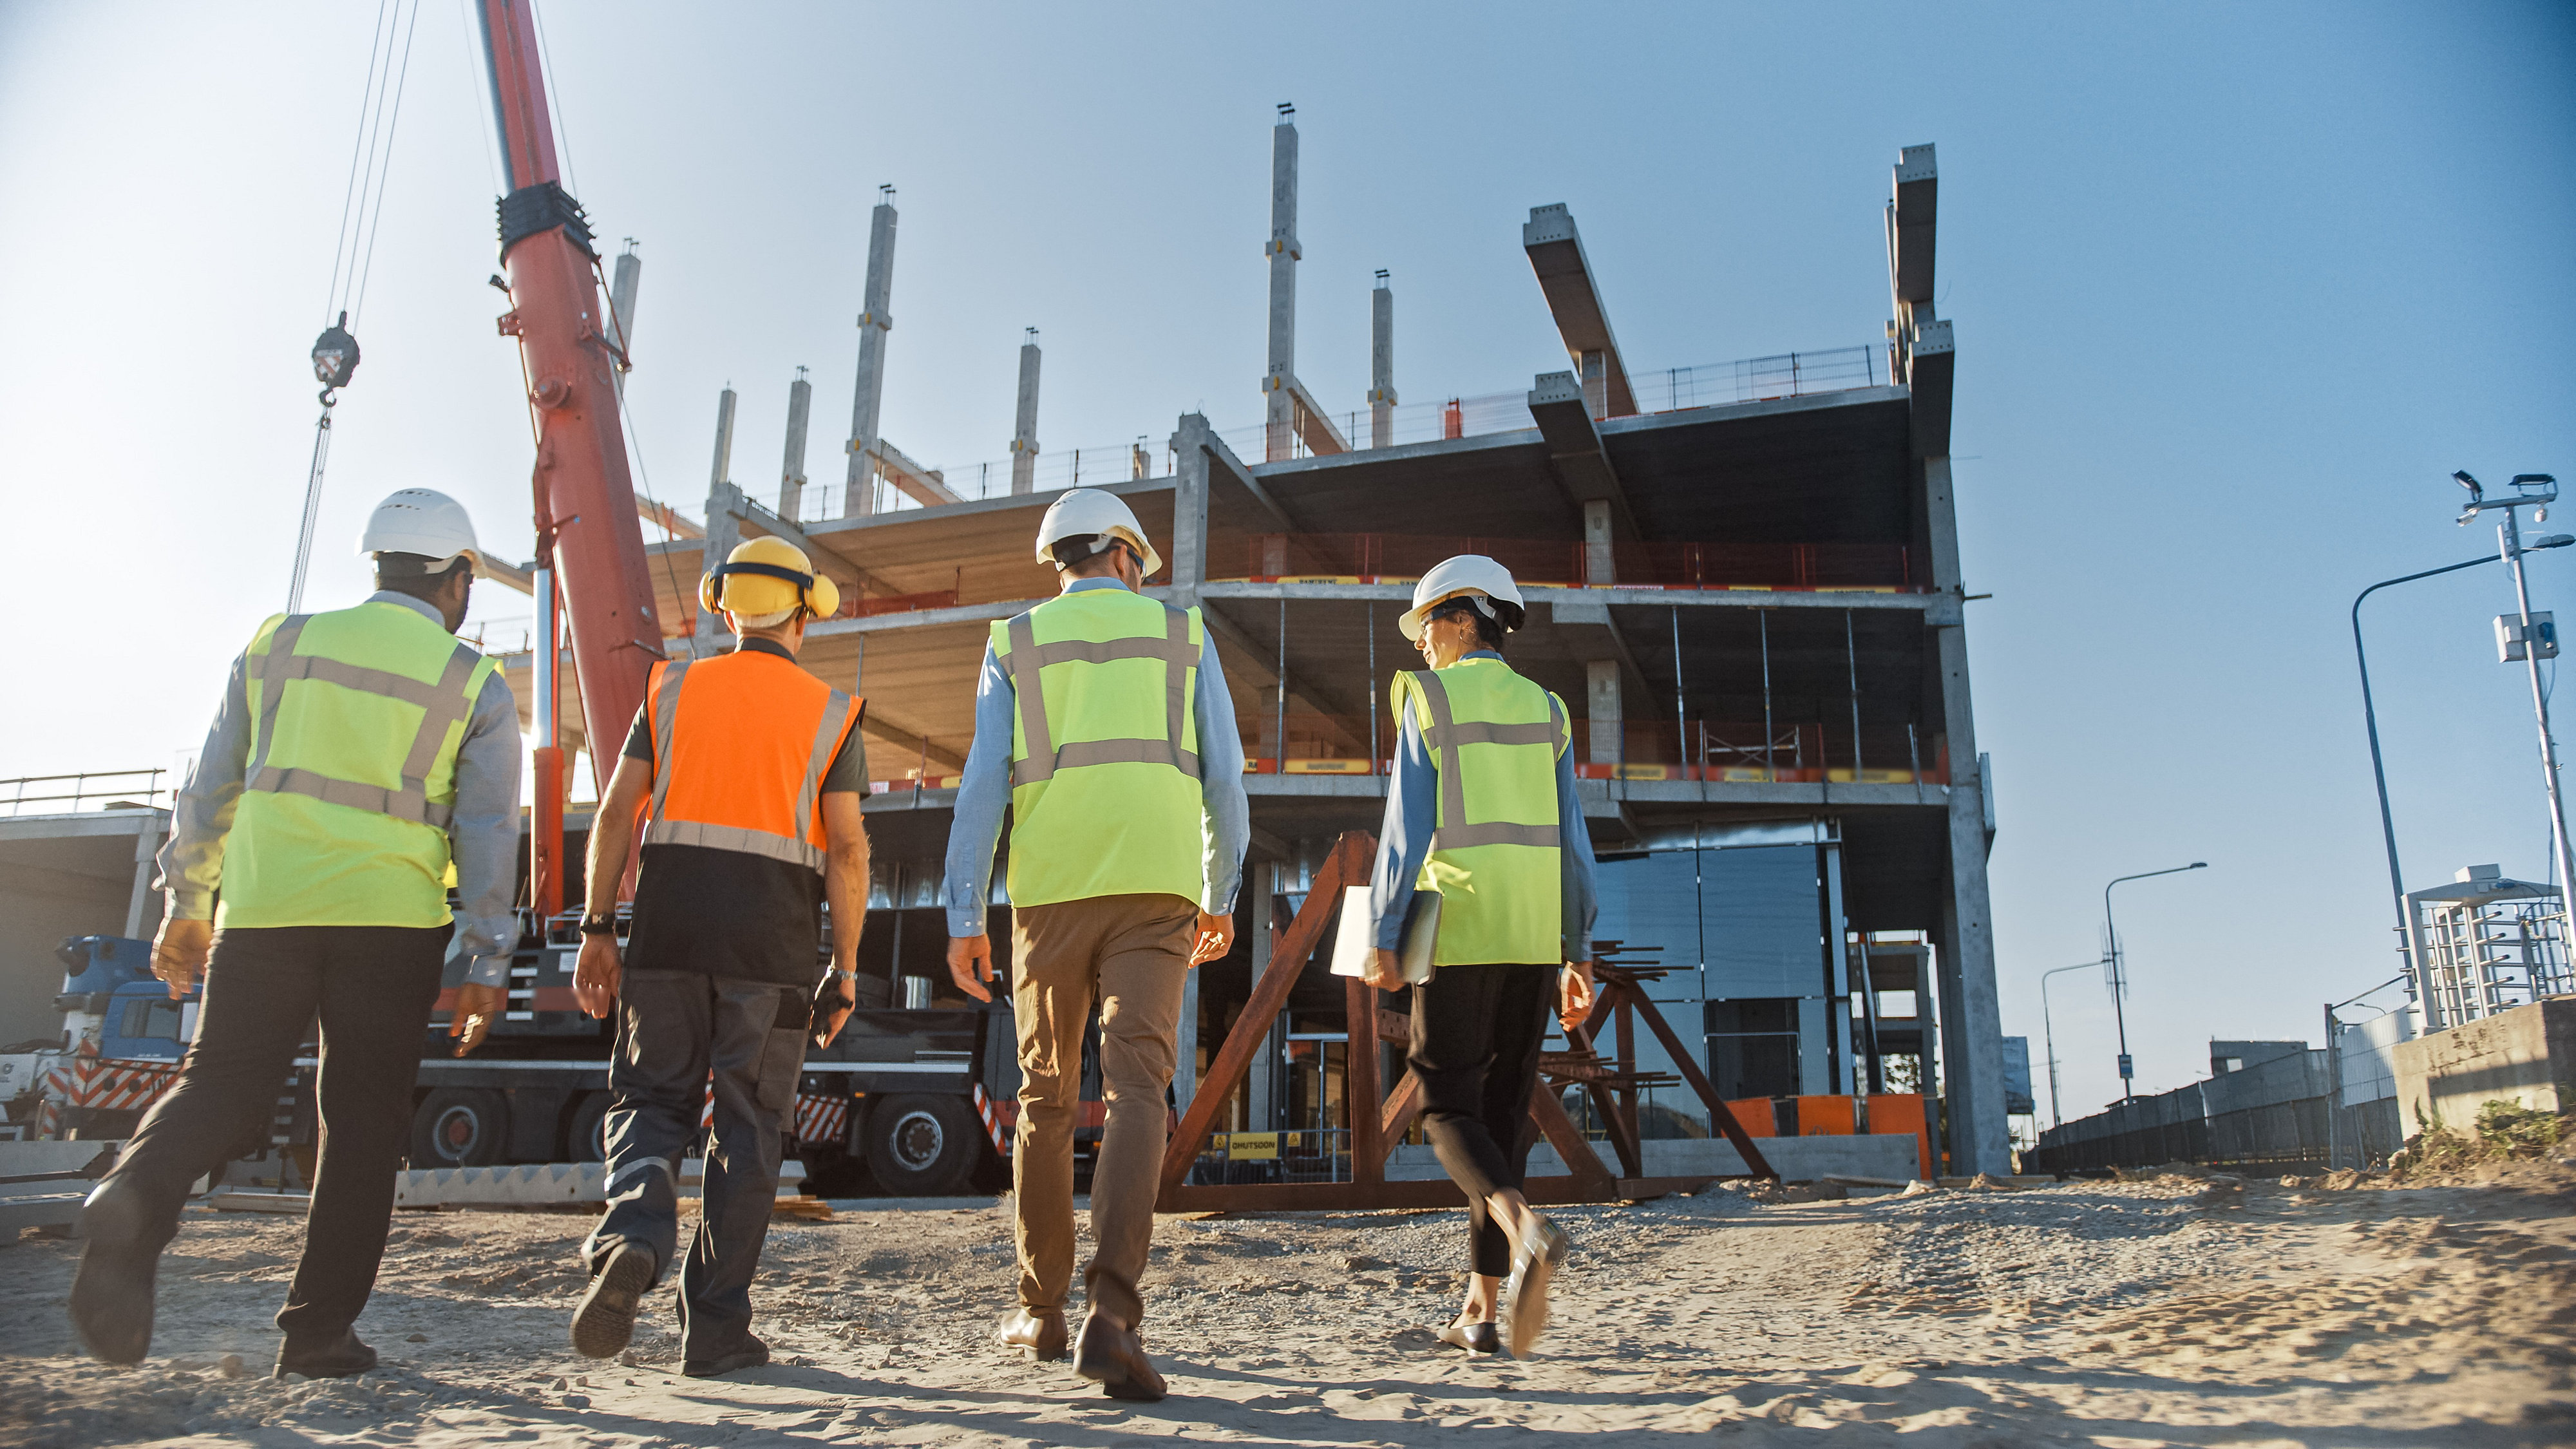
(1409, 623)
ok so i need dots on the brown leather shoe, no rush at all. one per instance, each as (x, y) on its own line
(1114, 1358)
(1038, 1332)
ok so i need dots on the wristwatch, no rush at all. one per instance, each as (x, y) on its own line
(598, 926)
(845, 975)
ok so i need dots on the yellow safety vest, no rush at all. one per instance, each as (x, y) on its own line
(1495, 857)
(356, 718)
(1105, 793)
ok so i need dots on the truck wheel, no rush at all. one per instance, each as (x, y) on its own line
(921, 1146)
(586, 1140)
(459, 1127)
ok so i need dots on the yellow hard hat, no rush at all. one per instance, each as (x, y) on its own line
(769, 575)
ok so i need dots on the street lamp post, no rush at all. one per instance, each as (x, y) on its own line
(2119, 982)
(2048, 1032)
(2535, 491)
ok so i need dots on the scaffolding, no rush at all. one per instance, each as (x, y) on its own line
(2485, 944)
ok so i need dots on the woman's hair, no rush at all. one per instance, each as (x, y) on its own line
(1489, 630)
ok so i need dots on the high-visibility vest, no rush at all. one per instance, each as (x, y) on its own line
(740, 745)
(356, 717)
(1496, 858)
(1104, 748)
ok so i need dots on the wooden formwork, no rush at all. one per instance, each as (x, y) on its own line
(1379, 1118)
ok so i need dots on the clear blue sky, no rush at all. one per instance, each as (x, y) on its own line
(2235, 288)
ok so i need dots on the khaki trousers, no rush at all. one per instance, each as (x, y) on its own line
(1130, 955)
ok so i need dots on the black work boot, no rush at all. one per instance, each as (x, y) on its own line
(751, 1353)
(111, 1299)
(605, 1322)
(330, 1358)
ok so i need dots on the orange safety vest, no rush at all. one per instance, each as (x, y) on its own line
(740, 744)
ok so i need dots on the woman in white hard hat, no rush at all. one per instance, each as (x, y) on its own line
(1482, 811)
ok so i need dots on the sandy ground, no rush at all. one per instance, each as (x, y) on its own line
(2130, 1314)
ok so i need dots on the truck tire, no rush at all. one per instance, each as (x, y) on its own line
(585, 1139)
(459, 1127)
(921, 1146)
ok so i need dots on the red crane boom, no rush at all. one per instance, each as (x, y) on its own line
(585, 496)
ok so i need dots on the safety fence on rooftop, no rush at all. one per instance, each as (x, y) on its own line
(1402, 558)
(81, 790)
(1711, 750)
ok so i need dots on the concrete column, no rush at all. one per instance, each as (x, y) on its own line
(1024, 434)
(722, 473)
(1601, 699)
(1972, 1047)
(791, 472)
(1260, 1111)
(139, 900)
(1382, 365)
(1188, 548)
(1600, 564)
(621, 309)
(1279, 410)
(875, 321)
(724, 530)
(1596, 384)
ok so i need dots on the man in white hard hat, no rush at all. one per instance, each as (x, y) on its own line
(1102, 722)
(1481, 808)
(359, 755)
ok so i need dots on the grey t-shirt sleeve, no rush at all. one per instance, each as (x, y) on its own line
(849, 772)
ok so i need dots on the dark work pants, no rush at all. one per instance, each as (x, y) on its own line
(1477, 1031)
(673, 1028)
(373, 987)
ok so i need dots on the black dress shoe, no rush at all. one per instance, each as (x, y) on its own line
(1037, 1332)
(752, 1354)
(112, 1291)
(1473, 1337)
(331, 1358)
(1114, 1358)
(605, 1322)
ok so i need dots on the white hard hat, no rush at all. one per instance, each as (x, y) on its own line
(1089, 513)
(422, 521)
(1472, 576)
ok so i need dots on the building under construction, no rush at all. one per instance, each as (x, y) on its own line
(1744, 582)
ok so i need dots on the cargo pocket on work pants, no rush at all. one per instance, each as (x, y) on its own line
(782, 1056)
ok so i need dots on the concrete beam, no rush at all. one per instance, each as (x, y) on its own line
(1565, 277)
(1195, 432)
(1574, 451)
(1264, 671)
(926, 486)
(1912, 213)
(907, 743)
(1314, 426)
(1934, 607)
(1929, 370)
(520, 578)
(666, 518)
(742, 512)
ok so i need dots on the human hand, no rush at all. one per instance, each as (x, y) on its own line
(595, 975)
(1385, 972)
(1574, 994)
(834, 1000)
(179, 954)
(1215, 938)
(477, 1007)
(970, 964)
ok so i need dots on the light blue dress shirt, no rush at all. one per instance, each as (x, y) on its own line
(483, 834)
(1404, 840)
(984, 791)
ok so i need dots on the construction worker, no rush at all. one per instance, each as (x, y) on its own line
(358, 755)
(1102, 722)
(747, 773)
(1481, 808)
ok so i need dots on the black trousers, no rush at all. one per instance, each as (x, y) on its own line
(373, 987)
(1477, 1031)
(673, 1029)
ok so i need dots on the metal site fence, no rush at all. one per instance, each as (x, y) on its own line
(1231, 1158)
(64, 794)
(2272, 1117)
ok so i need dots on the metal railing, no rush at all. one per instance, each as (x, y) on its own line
(71, 792)
(1313, 1155)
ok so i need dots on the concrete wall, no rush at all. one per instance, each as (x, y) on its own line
(2526, 1056)
(1894, 1155)
(63, 875)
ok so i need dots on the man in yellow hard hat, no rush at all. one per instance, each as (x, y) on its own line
(1103, 723)
(357, 756)
(747, 774)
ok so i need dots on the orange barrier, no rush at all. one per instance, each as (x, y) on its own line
(1902, 1112)
(1827, 1116)
(1754, 1115)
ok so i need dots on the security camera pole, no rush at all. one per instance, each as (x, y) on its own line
(2525, 639)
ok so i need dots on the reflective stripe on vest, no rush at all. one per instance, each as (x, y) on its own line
(443, 706)
(830, 730)
(1446, 735)
(1044, 756)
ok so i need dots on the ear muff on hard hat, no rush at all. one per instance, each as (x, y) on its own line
(768, 576)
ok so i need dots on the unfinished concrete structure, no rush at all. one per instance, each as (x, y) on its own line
(1744, 582)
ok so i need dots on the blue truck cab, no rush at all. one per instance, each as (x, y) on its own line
(111, 977)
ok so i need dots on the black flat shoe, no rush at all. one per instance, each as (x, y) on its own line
(111, 1298)
(332, 1358)
(1473, 1337)
(752, 1354)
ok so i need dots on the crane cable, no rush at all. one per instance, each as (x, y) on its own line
(353, 252)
